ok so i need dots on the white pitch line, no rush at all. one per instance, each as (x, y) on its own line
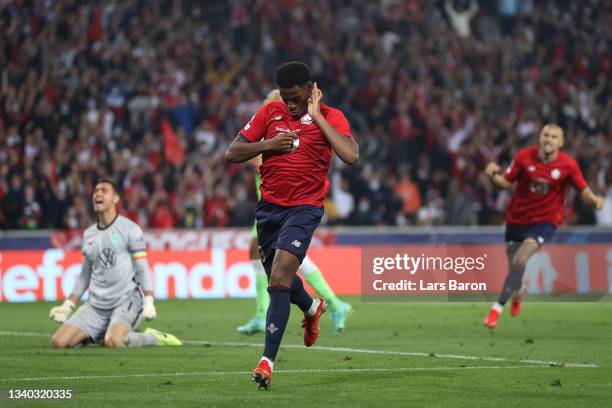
(400, 353)
(358, 350)
(24, 334)
(306, 371)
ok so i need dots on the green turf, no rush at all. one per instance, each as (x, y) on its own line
(560, 332)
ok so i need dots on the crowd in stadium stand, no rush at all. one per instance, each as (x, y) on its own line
(151, 93)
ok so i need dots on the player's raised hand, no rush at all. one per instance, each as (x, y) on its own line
(492, 169)
(61, 313)
(314, 107)
(148, 308)
(283, 142)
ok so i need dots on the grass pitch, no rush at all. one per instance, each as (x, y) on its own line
(392, 354)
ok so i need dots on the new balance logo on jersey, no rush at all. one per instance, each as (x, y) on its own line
(296, 243)
(272, 328)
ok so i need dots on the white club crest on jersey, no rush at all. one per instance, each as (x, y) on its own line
(306, 120)
(277, 117)
(555, 174)
(531, 168)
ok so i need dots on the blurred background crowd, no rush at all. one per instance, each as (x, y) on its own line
(152, 92)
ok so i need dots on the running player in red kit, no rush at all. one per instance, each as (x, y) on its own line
(541, 174)
(296, 137)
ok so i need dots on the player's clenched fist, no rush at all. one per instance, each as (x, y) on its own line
(61, 313)
(148, 308)
(283, 142)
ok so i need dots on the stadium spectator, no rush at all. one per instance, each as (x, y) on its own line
(409, 193)
(460, 12)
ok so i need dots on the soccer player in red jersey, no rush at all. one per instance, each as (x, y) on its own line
(542, 174)
(296, 137)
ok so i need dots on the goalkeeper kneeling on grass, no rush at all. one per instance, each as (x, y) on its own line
(116, 272)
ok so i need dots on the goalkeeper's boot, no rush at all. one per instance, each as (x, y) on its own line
(311, 323)
(515, 307)
(164, 339)
(491, 320)
(339, 317)
(252, 326)
(262, 375)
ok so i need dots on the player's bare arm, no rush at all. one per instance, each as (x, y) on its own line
(345, 147)
(241, 150)
(273, 96)
(493, 171)
(255, 163)
(592, 199)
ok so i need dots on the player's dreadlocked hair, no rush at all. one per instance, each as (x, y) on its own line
(291, 74)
